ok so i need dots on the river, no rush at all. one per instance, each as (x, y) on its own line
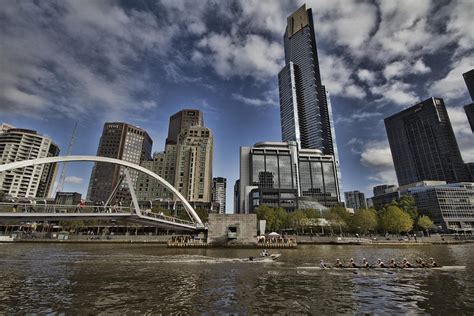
(146, 278)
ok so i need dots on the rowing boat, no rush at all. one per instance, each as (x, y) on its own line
(442, 268)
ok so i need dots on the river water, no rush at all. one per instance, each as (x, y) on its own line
(141, 278)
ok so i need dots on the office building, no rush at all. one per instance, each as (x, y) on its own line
(219, 186)
(355, 200)
(305, 106)
(68, 198)
(182, 120)
(382, 189)
(281, 174)
(423, 144)
(151, 189)
(449, 206)
(469, 79)
(470, 169)
(120, 141)
(17, 144)
(469, 109)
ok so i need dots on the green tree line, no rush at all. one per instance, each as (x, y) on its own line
(398, 217)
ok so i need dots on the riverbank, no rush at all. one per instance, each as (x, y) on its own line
(300, 240)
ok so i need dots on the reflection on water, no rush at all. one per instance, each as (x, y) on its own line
(92, 278)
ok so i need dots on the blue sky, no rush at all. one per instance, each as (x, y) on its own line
(141, 61)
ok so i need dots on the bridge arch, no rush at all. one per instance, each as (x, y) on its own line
(40, 161)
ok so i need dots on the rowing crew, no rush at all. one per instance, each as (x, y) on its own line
(420, 263)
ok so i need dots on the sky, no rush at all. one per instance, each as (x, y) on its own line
(141, 61)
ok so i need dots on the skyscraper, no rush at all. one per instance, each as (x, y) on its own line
(469, 79)
(219, 186)
(423, 144)
(120, 141)
(304, 109)
(355, 200)
(305, 104)
(18, 144)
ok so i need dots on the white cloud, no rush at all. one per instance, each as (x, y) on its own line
(376, 155)
(347, 23)
(462, 130)
(366, 75)
(396, 92)
(269, 100)
(336, 76)
(452, 86)
(358, 117)
(460, 24)
(403, 68)
(253, 55)
(74, 180)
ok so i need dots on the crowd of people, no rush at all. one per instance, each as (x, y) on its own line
(419, 263)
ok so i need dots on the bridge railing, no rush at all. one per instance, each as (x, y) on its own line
(59, 208)
(166, 218)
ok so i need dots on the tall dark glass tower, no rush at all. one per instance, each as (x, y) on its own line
(304, 109)
(305, 106)
(423, 144)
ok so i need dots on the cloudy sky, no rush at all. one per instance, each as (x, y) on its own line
(141, 61)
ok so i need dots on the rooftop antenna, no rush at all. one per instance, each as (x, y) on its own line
(62, 179)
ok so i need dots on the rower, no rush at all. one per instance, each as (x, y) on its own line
(264, 253)
(406, 263)
(365, 264)
(433, 263)
(338, 264)
(322, 264)
(352, 263)
(393, 264)
(421, 263)
(380, 263)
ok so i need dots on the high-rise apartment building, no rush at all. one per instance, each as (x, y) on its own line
(120, 141)
(282, 175)
(182, 120)
(193, 177)
(219, 186)
(469, 79)
(305, 106)
(18, 144)
(186, 162)
(423, 144)
(355, 200)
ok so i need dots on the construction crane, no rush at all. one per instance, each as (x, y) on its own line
(62, 179)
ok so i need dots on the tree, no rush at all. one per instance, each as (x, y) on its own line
(394, 220)
(276, 218)
(297, 219)
(338, 217)
(408, 205)
(311, 213)
(425, 223)
(364, 220)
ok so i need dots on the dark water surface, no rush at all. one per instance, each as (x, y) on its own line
(123, 279)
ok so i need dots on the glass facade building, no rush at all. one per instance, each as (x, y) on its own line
(423, 144)
(469, 79)
(279, 174)
(355, 200)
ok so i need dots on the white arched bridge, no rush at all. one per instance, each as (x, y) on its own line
(135, 214)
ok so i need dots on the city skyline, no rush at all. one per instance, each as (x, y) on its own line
(232, 79)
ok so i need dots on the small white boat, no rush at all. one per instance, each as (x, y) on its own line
(270, 258)
(6, 239)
